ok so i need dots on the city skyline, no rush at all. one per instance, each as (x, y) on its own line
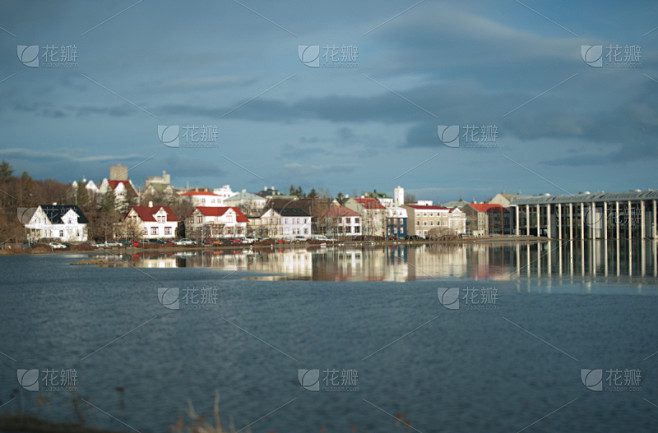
(341, 97)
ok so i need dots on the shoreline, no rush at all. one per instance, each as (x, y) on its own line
(88, 249)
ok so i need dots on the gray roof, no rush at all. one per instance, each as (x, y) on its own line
(244, 196)
(584, 197)
(25, 214)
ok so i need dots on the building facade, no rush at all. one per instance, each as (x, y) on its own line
(65, 223)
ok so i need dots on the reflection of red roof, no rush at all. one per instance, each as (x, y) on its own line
(369, 203)
(486, 207)
(220, 211)
(147, 214)
(126, 184)
(341, 211)
(191, 193)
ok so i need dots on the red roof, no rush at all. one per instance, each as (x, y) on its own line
(191, 193)
(369, 203)
(420, 207)
(147, 213)
(341, 211)
(126, 184)
(486, 207)
(220, 211)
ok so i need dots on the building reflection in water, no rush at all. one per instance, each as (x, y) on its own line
(605, 261)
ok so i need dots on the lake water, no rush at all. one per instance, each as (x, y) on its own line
(478, 338)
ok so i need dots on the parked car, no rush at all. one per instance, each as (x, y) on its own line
(155, 241)
(136, 244)
(185, 242)
(57, 245)
(112, 244)
(248, 240)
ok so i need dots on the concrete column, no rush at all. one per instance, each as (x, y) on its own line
(617, 218)
(571, 221)
(559, 223)
(643, 221)
(527, 220)
(548, 220)
(630, 222)
(538, 219)
(605, 223)
(518, 214)
(582, 222)
(653, 226)
(592, 211)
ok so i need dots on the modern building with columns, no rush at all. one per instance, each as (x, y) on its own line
(617, 215)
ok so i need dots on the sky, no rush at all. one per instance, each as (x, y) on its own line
(448, 99)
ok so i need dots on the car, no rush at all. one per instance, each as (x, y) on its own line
(185, 241)
(155, 241)
(97, 244)
(248, 240)
(136, 243)
(112, 244)
(57, 245)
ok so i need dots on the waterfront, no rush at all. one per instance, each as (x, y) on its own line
(509, 358)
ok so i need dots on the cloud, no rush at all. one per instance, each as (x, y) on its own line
(64, 156)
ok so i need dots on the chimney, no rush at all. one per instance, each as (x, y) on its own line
(150, 204)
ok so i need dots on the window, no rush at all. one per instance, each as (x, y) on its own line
(168, 231)
(154, 231)
(61, 233)
(356, 220)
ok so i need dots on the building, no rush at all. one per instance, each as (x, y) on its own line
(155, 222)
(342, 222)
(65, 223)
(203, 198)
(442, 221)
(396, 222)
(373, 215)
(485, 219)
(159, 185)
(251, 205)
(224, 193)
(622, 215)
(287, 223)
(216, 222)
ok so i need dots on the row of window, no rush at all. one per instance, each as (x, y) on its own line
(168, 231)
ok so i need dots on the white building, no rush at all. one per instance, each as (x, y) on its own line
(216, 222)
(284, 223)
(157, 222)
(61, 222)
(224, 192)
(343, 222)
(425, 218)
(204, 198)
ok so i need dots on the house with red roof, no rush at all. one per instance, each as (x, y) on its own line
(426, 218)
(373, 215)
(216, 222)
(486, 219)
(343, 222)
(156, 222)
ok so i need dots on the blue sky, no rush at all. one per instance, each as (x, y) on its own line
(363, 123)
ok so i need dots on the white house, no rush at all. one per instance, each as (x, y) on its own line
(285, 223)
(343, 222)
(224, 192)
(373, 214)
(424, 218)
(216, 222)
(204, 199)
(61, 222)
(157, 222)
